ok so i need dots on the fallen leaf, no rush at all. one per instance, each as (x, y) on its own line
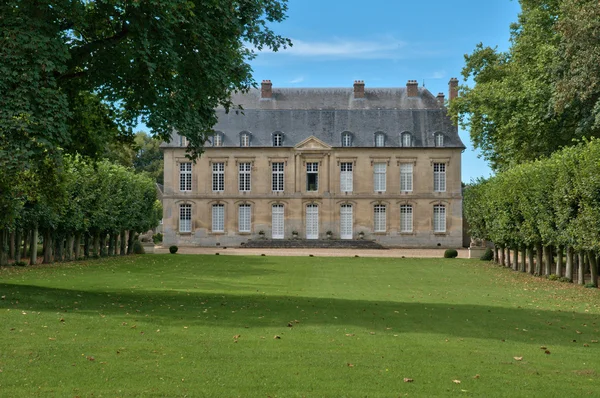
(547, 352)
(543, 347)
(237, 336)
(518, 358)
(290, 324)
(456, 381)
(134, 326)
(91, 358)
(586, 345)
(277, 337)
(51, 338)
(578, 332)
(350, 365)
(594, 341)
(61, 320)
(371, 332)
(407, 380)
(349, 334)
(476, 377)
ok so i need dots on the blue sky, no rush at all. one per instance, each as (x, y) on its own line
(385, 43)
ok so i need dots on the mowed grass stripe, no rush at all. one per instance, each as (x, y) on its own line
(188, 325)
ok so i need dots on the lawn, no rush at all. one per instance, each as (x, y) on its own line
(229, 326)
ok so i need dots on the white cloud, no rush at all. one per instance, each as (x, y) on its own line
(440, 74)
(299, 79)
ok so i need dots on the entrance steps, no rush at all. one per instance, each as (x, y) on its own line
(312, 244)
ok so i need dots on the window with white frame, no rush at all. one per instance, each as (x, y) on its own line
(218, 139)
(312, 176)
(439, 177)
(245, 139)
(244, 176)
(439, 139)
(346, 178)
(346, 139)
(277, 176)
(406, 218)
(379, 177)
(185, 177)
(406, 177)
(379, 139)
(182, 141)
(218, 218)
(218, 177)
(277, 139)
(185, 218)
(379, 218)
(406, 139)
(244, 217)
(439, 218)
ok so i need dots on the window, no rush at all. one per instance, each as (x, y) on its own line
(244, 218)
(312, 176)
(182, 141)
(439, 177)
(245, 139)
(439, 139)
(218, 139)
(379, 218)
(379, 177)
(244, 176)
(406, 177)
(185, 218)
(439, 218)
(277, 139)
(277, 176)
(406, 140)
(185, 177)
(346, 177)
(406, 218)
(346, 139)
(218, 218)
(218, 177)
(379, 139)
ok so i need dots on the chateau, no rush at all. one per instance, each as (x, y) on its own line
(382, 164)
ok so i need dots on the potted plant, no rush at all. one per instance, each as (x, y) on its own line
(361, 235)
(295, 234)
(261, 233)
(329, 234)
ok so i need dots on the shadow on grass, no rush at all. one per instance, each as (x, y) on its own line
(264, 311)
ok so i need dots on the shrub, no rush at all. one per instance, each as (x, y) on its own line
(138, 248)
(157, 238)
(450, 253)
(173, 249)
(590, 285)
(553, 277)
(565, 279)
(488, 255)
(20, 263)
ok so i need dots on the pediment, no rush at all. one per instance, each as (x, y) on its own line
(312, 143)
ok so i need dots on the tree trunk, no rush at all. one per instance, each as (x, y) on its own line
(130, 242)
(593, 267)
(11, 246)
(123, 243)
(111, 244)
(547, 260)
(523, 258)
(501, 256)
(103, 244)
(559, 261)
(96, 245)
(18, 240)
(515, 265)
(77, 246)
(48, 246)
(59, 247)
(33, 246)
(3, 247)
(538, 259)
(496, 255)
(69, 248)
(530, 262)
(581, 268)
(86, 245)
(569, 266)
(26, 238)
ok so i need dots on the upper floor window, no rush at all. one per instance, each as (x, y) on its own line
(185, 218)
(277, 176)
(182, 141)
(407, 139)
(379, 177)
(312, 176)
(244, 176)
(346, 177)
(439, 139)
(346, 139)
(406, 177)
(218, 139)
(439, 177)
(245, 139)
(218, 177)
(379, 139)
(185, 177)
(277, 139)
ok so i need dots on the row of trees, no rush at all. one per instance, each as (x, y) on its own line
(544, 207)
(94, 203)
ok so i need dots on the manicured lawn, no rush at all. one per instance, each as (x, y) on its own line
(204, 326)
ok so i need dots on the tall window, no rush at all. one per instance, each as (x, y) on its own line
(439, 218)
(379, 218)
(185, 177)
(218, 177)
(439, 139)
(346, 139)
(379, 177)
(185, 218)
(406, 218)
(182, 141)
(277, 176)
(277, 139)
(312, 176)
(218, 218)
(379, 139)
(244, 176)
(406, 140)
(406, 177)
(346, 177)
(439, 177)
(218, 139)
(245, 139)
(244, 218)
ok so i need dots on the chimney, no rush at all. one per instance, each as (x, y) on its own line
(453, 88)
(359, 89)
(266, 89)
(412, 88)
(440, 98)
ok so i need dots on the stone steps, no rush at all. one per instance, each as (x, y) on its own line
(312, 244)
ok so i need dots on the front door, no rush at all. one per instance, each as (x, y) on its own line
(346, 222)
(277, 221)
(312, 221)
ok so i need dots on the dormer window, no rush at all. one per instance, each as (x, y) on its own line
(439, 139)
(379, 139)
(244, 139)
(217, 139)
(407, 139)
(182, 141)
(277, 139)
(346, 139)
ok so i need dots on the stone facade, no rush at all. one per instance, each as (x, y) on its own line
(380, 164)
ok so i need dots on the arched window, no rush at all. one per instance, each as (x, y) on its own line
(346, 138)
(278, 139)
(439, 139)
(379, 139)
(244, 138)
(406, 139)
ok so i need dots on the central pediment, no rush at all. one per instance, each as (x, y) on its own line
(312, 143)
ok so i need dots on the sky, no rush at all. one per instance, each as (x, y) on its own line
(386, 43)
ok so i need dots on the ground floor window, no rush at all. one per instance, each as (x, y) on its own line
(379, 218)
(185, 218)
(218, 218)
(439, 218)
(406, 218)
(244, 218)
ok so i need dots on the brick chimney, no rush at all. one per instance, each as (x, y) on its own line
(359, 89)
(412, 88)
(453, 88)
(440, 98)
(266, 89)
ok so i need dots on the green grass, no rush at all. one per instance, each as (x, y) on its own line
(164, 326)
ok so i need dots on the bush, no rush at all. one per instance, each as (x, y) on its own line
(488, 255)
(20, 264)
(138, 248)
(553, 277)
(450, 253)
(565, 279)
(173, 249)
(157, 238)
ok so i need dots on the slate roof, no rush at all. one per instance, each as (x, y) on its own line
(328, 112)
